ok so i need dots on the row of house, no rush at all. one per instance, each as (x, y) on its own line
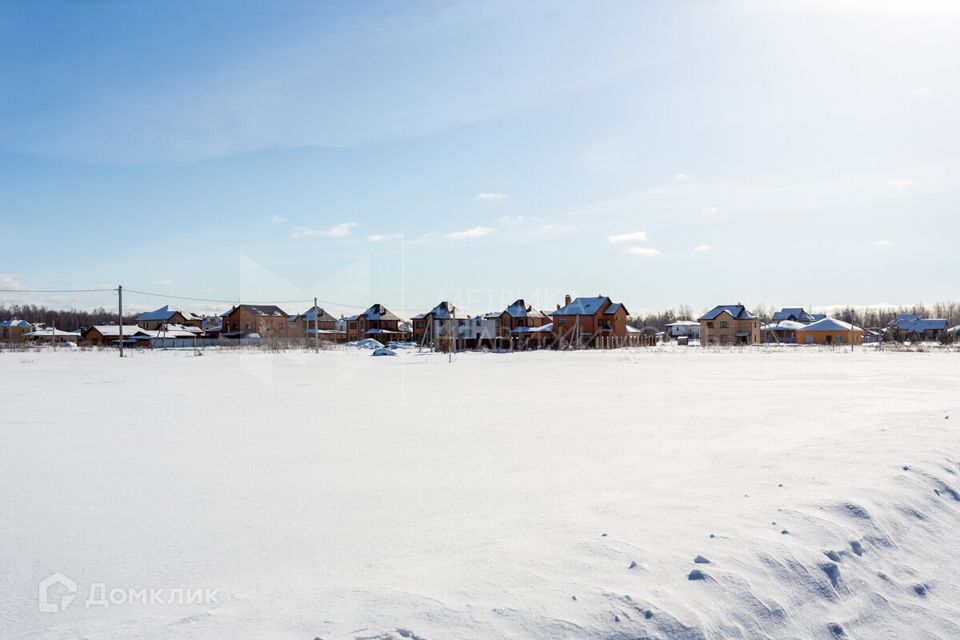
(582, 322)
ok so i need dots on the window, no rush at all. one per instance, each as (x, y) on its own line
(723, 324)
(709, 325)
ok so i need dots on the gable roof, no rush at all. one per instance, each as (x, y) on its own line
(270, 310)
(830, 324)
(113, 330)
(784, 325)
(520, 309)
(376, 312)
(913, 322)
(588, 307)
(321, 314)
(163, 313)
(737, 311)
(443, 311)
(13, 322)
(797, 314)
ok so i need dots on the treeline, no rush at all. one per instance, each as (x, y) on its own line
(64, 319)
(873, 318)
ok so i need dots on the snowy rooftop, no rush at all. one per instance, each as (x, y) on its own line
(784, 325)
(737, 311)
(164, 313)
(798, 314)
(683, 323)
(316, 311)
(587, 307)
(830, 324)
(444, 311)
(264, 310)
(913, 322)
(13, 322)
(114, 330)
(376, 312)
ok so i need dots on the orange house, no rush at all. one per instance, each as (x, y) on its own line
(585, 321)
(830, 331)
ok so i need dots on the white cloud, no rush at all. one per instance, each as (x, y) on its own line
(9, 282)
(491, 195)
(634, 236)
(303, 232)
(277, 219)
(340, 230)
(510, 219)
(901, 184)
(922, 92)
(883, 243)
(384, 237)
(702, 248)
(644, 252)
(475, 232)
(681, 177)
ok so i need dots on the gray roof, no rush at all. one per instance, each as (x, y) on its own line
(316, 311)
(520, 309)
(737, 311)
(376, 312)
(443, 311)
(13, 322)
(163, 313)
(258, 310)
(587, 307)
(913, 322)
(797, 314)
(830, 324)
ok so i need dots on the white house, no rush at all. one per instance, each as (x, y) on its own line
(687, 328)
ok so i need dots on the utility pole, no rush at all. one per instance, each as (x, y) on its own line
(120, 314)
(316, 327)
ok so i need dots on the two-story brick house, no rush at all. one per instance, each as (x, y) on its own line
(587, 322)
(266, 320)
(377, 322)
(729, 324)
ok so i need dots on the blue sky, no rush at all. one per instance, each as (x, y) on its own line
(791, 153)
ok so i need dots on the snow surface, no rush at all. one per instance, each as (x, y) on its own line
(681, 493)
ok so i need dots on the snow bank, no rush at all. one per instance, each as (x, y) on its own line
(621, 494)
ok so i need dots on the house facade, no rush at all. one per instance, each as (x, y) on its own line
(727, 325)
(315, 320)
(681, 328)
(14, 330)
(265, 320)
(108, 335)
(911, 324)
(590, 322)
(440, 322)
(377, 322)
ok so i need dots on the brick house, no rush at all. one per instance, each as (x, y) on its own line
(314, 319)
(729, 324)
(266, 320)
(522, 325)
(14, 330)
(591, 322)
(377, 322)
(153, 320)
(108, 335)
(441, 321)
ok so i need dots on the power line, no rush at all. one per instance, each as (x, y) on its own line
(54, 290)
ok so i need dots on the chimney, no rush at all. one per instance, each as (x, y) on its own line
(566, 299)
(558, 307)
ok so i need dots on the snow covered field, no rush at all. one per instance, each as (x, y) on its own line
(529, 495)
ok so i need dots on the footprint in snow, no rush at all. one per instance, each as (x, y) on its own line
(701, 560)
(696, 574)
(836, 630)
(633, 564)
